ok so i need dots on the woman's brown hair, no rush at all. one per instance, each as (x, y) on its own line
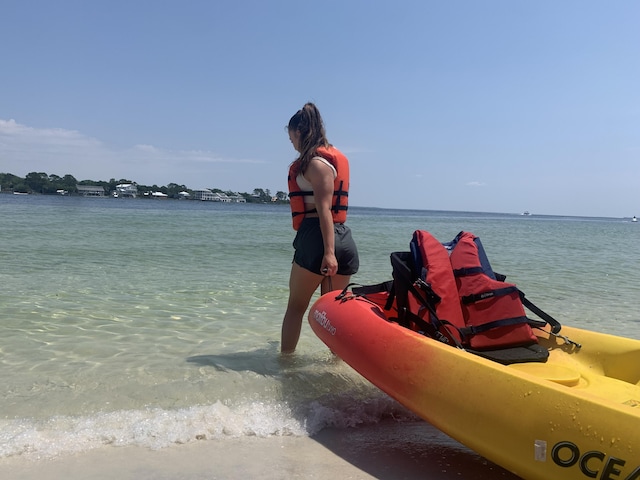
(309, 123)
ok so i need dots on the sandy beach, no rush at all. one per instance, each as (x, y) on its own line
(386, 451)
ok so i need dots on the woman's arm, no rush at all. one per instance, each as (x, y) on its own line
(321, 177)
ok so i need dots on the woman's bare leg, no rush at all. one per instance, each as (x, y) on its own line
(302, 284)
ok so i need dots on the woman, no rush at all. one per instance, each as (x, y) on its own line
(325, 253)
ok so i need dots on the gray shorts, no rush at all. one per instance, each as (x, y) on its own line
(309, 247)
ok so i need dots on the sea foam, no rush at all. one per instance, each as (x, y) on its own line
(157, 428)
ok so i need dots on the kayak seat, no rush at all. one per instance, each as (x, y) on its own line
(514, 355)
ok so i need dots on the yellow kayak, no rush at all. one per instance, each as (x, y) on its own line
(576, 416)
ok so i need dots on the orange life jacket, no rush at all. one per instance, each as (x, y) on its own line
(339, 204)
(458, 299)
(431, 260)
(493, 313)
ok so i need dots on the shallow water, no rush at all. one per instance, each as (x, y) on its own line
(155, 322)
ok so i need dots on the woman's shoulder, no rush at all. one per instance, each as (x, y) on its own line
(318, 158)
(317, 163)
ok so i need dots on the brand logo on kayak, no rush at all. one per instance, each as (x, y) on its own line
(593, 464)
(323, 320)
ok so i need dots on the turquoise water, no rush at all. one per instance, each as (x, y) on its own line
(157, 322)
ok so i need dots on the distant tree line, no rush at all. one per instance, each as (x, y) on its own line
(44, 184)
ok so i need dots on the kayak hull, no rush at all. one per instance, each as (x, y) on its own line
(577, 416)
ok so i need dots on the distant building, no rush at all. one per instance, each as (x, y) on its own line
(207, 195)
(126, 190)
(237, 198)
(203, 194)
(221, 197)
(90, 190)
(234, 198)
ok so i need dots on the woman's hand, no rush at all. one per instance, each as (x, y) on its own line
(329, 265)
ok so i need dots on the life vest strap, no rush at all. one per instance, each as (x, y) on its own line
(301, 193)
(463, 272)
(498, 292)
(338, 194)
(476, 329)
(364, 290)
(432, 328)
(295, 214)
(335, 208)
(555, 324)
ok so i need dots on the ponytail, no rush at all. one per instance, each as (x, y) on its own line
(309, 123)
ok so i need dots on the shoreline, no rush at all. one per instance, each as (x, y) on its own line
(387, 451)
(355, 208)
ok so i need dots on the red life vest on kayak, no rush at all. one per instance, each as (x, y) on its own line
(431, 261)
(477, 310)
(449, 292)
(339, 204)
(493, 312)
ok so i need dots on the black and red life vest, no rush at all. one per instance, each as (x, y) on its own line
(340, 202)
(492, 310)
(450, 292)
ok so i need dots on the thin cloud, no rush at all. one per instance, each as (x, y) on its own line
(25, 149)
(16, 134)
(476, 184)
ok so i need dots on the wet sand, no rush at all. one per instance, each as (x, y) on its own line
(390, 451)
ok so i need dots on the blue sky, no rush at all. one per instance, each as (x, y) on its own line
(494, 106)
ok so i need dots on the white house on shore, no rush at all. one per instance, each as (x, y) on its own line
(203, 194)
(207, 195)
(126, 190)
(232, 198)
(90, 190)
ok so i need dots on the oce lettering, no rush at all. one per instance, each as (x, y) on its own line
(592, 464)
